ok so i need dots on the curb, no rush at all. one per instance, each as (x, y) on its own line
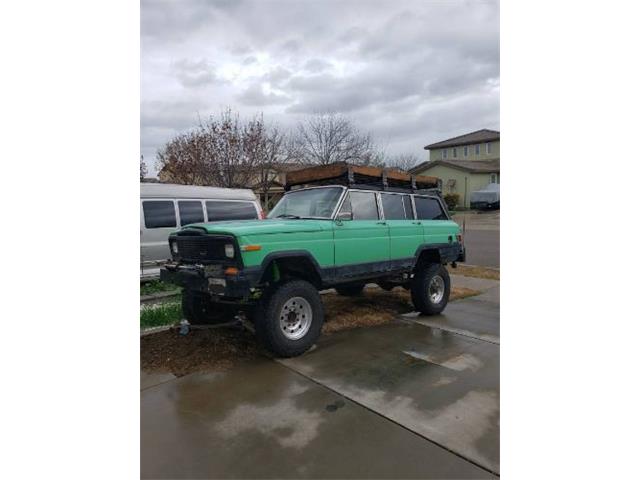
(159, 296)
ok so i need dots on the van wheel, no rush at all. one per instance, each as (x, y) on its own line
(289, 318)
(198, 308)
(350, 290)
(430, 289)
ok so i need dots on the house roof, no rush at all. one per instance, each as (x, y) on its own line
(472, 166)
(483, 135)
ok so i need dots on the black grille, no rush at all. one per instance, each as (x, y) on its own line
(202, 248)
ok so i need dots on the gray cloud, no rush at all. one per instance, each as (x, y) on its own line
(194, 73)
(255, 96)
(411, 72)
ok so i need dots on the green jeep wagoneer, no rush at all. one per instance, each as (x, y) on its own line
(340, 236)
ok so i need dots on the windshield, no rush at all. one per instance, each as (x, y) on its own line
(313, 203)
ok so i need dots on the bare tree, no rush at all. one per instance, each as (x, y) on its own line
(143, 168)
(224, 151)
(267, 171)
(330, 137)
(403, 161)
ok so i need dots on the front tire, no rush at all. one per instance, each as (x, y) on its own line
(289, 318)
(430, 289)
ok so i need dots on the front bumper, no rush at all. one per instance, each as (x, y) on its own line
(208, 280)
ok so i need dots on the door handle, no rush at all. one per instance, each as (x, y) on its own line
(381, 223)
(417, 223)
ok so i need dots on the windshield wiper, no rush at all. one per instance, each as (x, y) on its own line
(288, 215)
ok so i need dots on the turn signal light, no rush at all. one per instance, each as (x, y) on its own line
(231, 271)
(251, 248)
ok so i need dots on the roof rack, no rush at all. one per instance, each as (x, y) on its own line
(373, 178)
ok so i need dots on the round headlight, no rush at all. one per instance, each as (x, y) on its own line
(174, 247)
(229, 251)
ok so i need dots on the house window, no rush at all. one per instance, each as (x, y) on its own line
(488, 148)
(494, 178)
(478, 149)
(444, 153)
(466, 151)
(455, 153)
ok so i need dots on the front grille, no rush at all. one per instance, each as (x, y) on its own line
(202, 248)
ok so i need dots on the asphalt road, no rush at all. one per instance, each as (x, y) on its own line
(483, 247)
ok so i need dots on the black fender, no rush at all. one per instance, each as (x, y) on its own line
(438, 252)
(287, 255)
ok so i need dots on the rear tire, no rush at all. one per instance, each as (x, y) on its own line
(430, 289)
(199, 309)
(350, 290)
(289, 318)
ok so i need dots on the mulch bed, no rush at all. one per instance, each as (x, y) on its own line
(218, 349)
(215, 349)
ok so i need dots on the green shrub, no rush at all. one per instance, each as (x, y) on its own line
(452, 200)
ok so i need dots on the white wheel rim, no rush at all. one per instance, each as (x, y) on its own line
(295, 318)
(435, 290)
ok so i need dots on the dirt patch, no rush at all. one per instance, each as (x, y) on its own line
(374, 307)
(477, 272)
(215, 349)
(218, 349)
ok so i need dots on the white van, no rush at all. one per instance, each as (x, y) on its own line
(166, 207)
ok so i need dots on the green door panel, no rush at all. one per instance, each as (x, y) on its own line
(405, 236)
(361, 241)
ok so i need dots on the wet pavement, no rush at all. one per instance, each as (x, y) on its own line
(418, 398)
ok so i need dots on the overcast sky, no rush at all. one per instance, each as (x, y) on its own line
(410, 72)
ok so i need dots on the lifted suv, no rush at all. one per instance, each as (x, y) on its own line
(329, 236)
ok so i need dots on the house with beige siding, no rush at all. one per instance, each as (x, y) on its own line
(465, 163)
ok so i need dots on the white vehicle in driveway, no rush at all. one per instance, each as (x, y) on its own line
(167, 207)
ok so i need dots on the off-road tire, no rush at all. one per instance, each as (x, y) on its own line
(422, 279)
(350, 290)
(198, 309)
(267, 315)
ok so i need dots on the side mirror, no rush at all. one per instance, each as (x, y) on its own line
(344, 216)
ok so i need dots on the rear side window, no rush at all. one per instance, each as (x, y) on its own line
(408, 208)
(362, 205)
(429, 209)
(190, 212)
(159, 214)
(392, 207)
(217, 211)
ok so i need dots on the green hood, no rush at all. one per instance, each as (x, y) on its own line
(262, 227)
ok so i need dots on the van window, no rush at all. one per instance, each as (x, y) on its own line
(392, 207)
(159, 214)
(429, 209)
(190, 212)
(217, 211)
(408, 208)
(362, 205)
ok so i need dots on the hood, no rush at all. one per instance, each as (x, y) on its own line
(260, 227)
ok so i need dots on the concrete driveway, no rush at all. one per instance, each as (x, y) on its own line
(418, 398)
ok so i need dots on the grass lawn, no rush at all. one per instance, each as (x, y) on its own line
(156, 286)
(160, 314)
